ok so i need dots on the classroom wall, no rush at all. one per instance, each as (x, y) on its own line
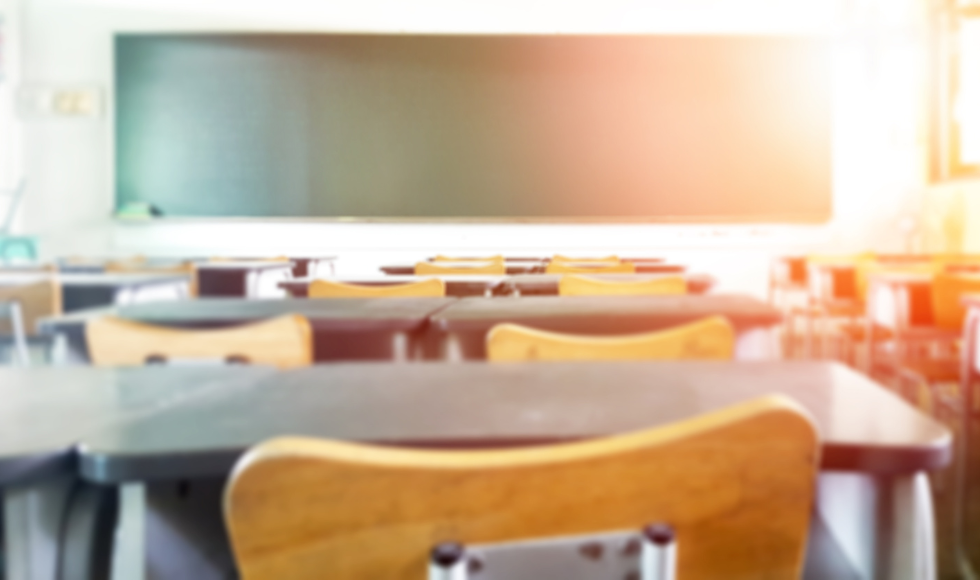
(879, 143)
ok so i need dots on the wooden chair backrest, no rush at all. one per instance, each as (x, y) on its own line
(865, 270)
(483, 268)
(947, 290)
(840, 258)
(139, 266)
(736, 484)
(142, 267)
(247, 259)
(575, 285)
(594, 268)
(37, 300)
(331, 289)
(441, 258)
(285, 341)
(605, 260)
(710, 338)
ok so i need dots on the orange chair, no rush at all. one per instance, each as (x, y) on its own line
(711, 338)
(331, 289)
(738, 486)
(478, 268)
(934, 383)
(285, 342)
(441, 258)
(37, 300)
(605, 260)
(947, 289)
(575, 285)
(596, 268)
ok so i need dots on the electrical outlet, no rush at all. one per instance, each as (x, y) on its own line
(64, 102)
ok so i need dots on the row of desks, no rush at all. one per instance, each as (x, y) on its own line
(485, 285)
(165, 432)
(243, 279)
(89, 286)
(519, 267)
(448, 328)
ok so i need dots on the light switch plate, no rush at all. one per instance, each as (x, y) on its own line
(78, 102)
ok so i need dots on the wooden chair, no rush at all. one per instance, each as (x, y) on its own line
(37, 300)
(139, 265)
(285, 342)
(247, 259)
(574, 285)
(440, 258)
(605, 260)
(934, 383)
(707, 339)
(482, 268)
(330, 289)
(737, 485)
(20, 309)
(947, 290)
(586, 268)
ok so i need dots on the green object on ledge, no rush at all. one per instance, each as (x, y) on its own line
(137, 210)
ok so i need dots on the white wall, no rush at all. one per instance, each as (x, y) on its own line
(878, 150)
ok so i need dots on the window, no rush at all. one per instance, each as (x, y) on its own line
(960, 100)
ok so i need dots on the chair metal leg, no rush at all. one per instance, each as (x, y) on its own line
(808, 342)
(20, 337)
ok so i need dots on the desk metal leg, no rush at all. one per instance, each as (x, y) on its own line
(846, 502)
(20, 340)
(129, 554)
(809, 331)
(452, 349)
(884, 525)
(32, 523)
(399, 346)
(906, 548)
(86, 539)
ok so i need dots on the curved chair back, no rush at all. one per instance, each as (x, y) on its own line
(247, 259)
(331, 289)
(36, 299)
(484, 268)
(606, 260)
(285, 341)
(140, 265)
(575, 285)
(737, 485)
(947, 290)
(707, 339)
(587, 268)
(441, 258)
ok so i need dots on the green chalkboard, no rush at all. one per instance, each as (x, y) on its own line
(689, 128)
